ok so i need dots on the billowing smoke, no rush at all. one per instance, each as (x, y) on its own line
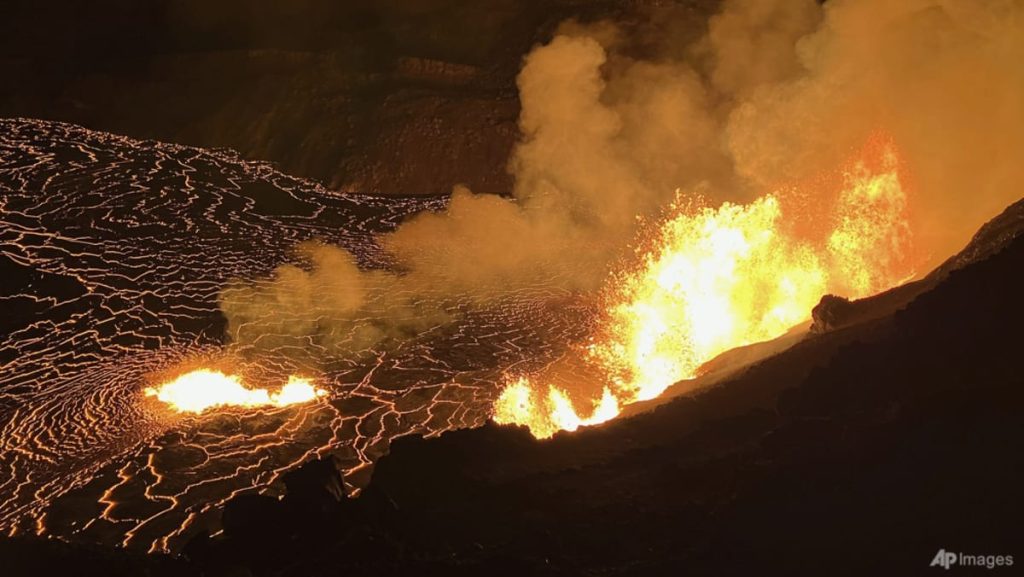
(617, 118)
(942, 77)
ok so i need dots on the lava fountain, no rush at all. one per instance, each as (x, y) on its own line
(713, 279)
(202, 389)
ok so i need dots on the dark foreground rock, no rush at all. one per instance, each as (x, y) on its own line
(264, 535)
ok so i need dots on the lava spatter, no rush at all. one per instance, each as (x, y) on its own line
(716, 278)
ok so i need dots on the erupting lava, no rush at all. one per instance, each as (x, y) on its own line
(519, 403)
(203, 389)
(719, 278)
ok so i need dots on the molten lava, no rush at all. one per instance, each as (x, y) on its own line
(719, 278)
(203, 389)
(521, 404)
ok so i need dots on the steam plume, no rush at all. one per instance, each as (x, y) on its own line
(617, 118)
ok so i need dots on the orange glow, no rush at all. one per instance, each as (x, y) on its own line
(521, 404)
(869, 246)
(203, 389)
(719, 278)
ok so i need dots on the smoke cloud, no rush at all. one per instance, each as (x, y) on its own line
(942, 77)
(616, 118)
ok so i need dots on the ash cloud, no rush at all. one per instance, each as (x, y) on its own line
(618, 117)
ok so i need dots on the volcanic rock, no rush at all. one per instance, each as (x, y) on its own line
(831, 312)
(316, 487)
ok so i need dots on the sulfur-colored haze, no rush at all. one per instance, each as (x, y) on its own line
(616, 118)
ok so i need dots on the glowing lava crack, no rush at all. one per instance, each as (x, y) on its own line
(204, 389)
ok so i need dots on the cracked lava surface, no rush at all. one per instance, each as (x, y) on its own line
(112, 255)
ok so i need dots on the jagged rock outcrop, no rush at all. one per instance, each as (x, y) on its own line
(831, 312)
